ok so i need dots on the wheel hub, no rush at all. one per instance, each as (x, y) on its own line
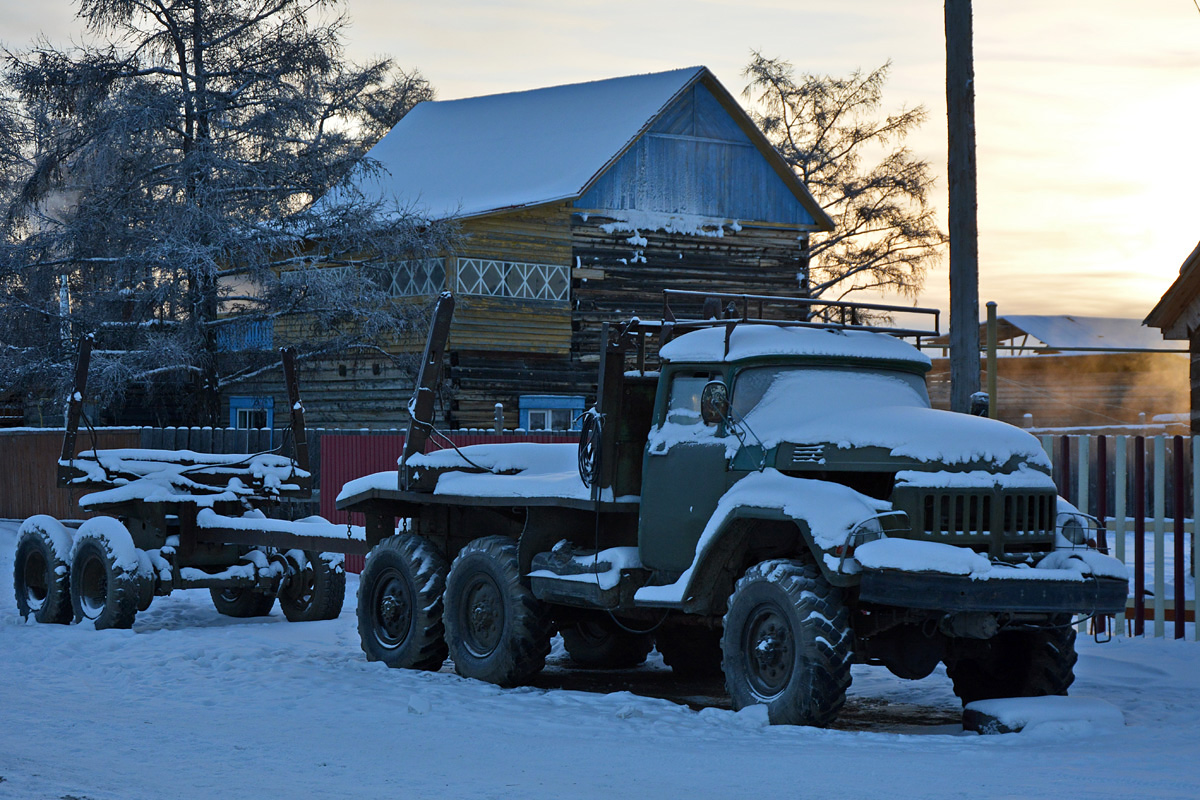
(482, 616)
(770, 652)
(36, 586)
(393, 611)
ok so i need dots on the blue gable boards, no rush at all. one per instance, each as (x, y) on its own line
(696, 159)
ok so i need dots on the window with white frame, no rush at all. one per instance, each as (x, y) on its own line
(518, 279)
(251, 412)
(550, 412)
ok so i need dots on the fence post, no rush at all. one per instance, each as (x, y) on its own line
(1139, 536)
(1064, 474)
(1102, 493)
(1178, 543)
(1160, 519)
(1120, 500)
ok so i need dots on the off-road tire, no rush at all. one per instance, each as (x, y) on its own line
(1018, 664)
(400, 604)
(689, 650)
(599, 643)
(315, 592)
(241, 602)
(788, 644)
(496, 629)
(41, 574)
(101, 589)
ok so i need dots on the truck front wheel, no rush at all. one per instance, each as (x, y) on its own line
(496, 629)
(400, 604)
(1032, 663)
(788, 644)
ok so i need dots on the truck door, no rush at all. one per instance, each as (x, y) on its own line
(683, 474)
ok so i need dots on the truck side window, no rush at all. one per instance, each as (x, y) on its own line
(683, 405)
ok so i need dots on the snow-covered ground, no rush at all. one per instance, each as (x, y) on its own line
(190, 704)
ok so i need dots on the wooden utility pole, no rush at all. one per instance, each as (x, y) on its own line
(964, 229)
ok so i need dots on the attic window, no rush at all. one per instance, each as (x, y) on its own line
(518, 279)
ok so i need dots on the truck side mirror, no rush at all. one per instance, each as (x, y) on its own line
(714, 402)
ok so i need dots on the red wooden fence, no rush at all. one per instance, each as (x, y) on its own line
(346, 456)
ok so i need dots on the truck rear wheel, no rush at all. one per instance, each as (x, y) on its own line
(1018, 664)
(316, 590)
(788, 644)
(105, 585)
(400, 604)
(600, 643)
(497, 631)
(41, 575)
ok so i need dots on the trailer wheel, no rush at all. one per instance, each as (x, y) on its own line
(788, 644)
(497, 631)
(400, 604)
(318, 588)
(105, 579)
(240, 602)
(1018, 664)
(689, 650)
(41, 574)
(599, 643)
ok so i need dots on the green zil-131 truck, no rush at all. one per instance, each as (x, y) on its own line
(770, 499)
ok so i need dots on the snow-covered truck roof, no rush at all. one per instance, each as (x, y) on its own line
(764, 340)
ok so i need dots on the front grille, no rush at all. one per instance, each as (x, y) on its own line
(991, 520)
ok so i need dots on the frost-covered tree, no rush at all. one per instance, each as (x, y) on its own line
(853, 159)
(156, 182)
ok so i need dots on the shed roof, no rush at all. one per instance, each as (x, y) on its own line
(463, 158)
(1178, 304)
(1064, 331)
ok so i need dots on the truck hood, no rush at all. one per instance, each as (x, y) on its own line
(923, 434)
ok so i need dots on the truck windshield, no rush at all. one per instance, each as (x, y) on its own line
(762, 394)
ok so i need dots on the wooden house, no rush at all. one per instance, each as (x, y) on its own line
(1177, 315)
(577, 205)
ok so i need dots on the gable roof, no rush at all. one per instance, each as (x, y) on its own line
(479, 155)
(1179, 299)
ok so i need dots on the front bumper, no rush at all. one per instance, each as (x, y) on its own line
(940, 592)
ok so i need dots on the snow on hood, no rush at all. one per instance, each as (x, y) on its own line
(748, 341)
(923, 434)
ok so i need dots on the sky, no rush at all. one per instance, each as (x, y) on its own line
(1085, 109)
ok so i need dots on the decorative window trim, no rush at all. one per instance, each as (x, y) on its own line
(418, 277)
(517, 279)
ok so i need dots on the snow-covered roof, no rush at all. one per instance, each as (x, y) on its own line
(749, 341)
(463, 158)
(460, 158)
(1065, 331)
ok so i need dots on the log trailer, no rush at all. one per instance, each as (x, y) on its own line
(176, 519)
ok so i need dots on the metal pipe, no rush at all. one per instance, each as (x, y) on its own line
(1139, 536)
(1179, 557)
(991, 359)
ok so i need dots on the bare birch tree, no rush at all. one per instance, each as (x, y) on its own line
(853, 159)
(156, 186)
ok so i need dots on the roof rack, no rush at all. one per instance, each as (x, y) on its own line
(719, 309)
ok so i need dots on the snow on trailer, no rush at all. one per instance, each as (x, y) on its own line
(178, 519)
(774, 500)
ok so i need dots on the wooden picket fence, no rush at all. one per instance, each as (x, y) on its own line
(1144, 491)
